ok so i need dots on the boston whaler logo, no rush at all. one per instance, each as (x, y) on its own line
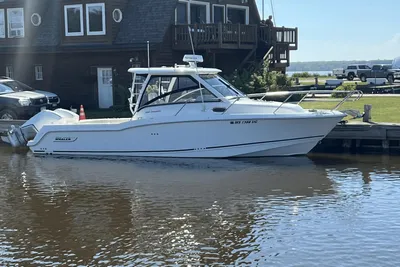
(65, 139)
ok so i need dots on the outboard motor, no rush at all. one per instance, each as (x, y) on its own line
(15, 137)
(19, 136)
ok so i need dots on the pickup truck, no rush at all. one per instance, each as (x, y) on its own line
(380, 71)
(350, 72)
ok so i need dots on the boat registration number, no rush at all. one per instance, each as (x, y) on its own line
(243, 122)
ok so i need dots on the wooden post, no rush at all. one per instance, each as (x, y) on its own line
(214, 60)
(386, 146)
(347, 144)
(195, 36)
(220, 34)
(316, 81)
(297, 81)
(367, 113)
(239, 35)
(256, 34)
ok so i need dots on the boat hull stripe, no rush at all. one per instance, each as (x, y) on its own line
(191, 149)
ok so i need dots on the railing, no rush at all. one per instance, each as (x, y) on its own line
(215, 36)
(359, 95)
(279, 35)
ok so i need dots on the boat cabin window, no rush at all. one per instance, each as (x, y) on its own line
(175, 89)
(222, 86)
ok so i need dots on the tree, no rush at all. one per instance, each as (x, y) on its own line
(260, 80)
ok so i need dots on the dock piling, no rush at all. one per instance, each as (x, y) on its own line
(367, 113)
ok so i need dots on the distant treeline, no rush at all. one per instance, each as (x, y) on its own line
(330, 65)
(308, 75)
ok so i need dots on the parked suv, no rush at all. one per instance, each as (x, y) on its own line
(52, 99)
(350, 72)
(17, 103)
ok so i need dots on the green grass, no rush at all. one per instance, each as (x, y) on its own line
(384, 109)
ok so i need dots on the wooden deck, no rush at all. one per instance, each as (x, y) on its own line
(215, 36)
(233, 36)
(280, 35)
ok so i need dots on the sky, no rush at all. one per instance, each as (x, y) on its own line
(340, 29)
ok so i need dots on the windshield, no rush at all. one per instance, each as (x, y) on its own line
(17, 86)
(5, 89)
(222, 86)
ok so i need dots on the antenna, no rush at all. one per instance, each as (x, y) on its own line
(263, 17)
(197, 70)
(148, 54)
(191, 40)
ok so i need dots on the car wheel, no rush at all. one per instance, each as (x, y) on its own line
(8, 114)
(350, 76)
(390, 78)
(363, 78)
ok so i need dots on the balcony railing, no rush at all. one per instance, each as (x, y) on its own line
(212, 36)
(280, 35)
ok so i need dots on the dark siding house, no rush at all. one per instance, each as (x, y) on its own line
(81, 49)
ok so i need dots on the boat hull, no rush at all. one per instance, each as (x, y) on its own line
(250, 137)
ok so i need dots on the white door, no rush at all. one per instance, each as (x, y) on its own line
(104, 81)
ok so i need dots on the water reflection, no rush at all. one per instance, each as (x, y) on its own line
(174, 211)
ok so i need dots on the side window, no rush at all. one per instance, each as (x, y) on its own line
(361, 67)
(179, 89)
(156, 87)
(376, 67)
(352, 67)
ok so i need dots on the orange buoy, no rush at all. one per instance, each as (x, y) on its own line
(82, 115)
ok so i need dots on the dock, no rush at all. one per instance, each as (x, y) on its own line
(362, 137)
(353, 137)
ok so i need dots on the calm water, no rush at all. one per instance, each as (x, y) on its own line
(305, 211)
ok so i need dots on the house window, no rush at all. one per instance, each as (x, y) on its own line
(194, 12)
(36, 19)
(237, 14)
(181, 13)
(95, 19)
(117, 15)
(198, 13)
(10, 71)
(39, 73)
(2, 24)
(73, 19)
(218, 14)
(15, 17)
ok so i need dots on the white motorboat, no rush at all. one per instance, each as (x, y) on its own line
(181, 111)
